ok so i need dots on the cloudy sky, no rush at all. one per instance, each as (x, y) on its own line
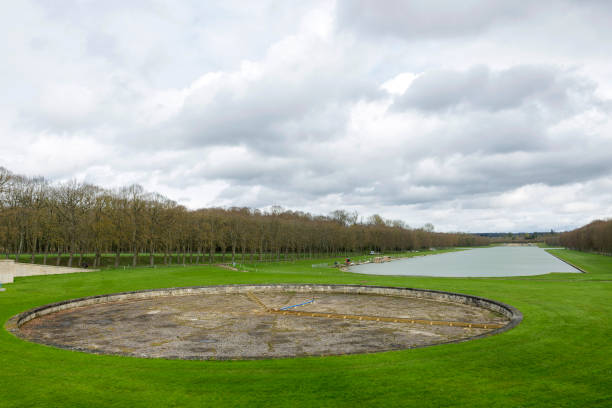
(472, 115)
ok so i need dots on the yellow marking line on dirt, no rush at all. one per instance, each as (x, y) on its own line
(255, 299)
(374, 318)
(387, 319)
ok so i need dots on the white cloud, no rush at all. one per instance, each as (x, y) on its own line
(399, 84)
(475, 116)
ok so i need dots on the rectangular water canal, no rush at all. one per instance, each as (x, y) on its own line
(478, 262)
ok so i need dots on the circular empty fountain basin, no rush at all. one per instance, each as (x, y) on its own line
(262, 321)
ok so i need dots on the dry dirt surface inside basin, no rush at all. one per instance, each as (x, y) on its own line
(241, 326)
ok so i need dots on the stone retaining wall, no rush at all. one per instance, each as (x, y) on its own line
(10, 269)
(512, 313)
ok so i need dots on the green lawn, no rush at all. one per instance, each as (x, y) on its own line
(143, 260)
(559, 356)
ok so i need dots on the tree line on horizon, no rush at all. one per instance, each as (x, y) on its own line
(593, 237)
(69, 219)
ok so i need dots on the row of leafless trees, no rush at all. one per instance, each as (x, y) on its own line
(596, 236)
(64, 220)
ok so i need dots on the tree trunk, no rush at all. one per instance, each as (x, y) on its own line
(18, 254)
(135, 257)
(46, 253)
(33, 251)
(151, 256)
(117, 257)
(59, 256)
(71, 254)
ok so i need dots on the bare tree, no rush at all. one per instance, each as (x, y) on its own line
(75, 217)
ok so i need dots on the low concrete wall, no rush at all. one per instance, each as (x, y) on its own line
(10, 269)
(512, 313)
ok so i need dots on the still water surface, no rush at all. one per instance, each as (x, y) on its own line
(479, 262)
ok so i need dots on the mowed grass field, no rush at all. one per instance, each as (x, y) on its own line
(559, 356)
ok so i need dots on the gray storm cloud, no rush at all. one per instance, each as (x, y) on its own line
(479, 88)
(434, 18)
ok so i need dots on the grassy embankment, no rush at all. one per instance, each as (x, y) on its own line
(560, 355)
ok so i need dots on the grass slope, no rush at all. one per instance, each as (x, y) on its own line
(560, 355)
